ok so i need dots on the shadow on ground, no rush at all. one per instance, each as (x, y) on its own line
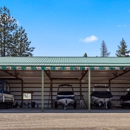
(38, 110)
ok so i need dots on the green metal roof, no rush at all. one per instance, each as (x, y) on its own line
(63, 63)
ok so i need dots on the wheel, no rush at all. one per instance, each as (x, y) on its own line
(122, 106)
(109, 105)
(92, 106)
(8, 106)
(75, 104)
(56, 105)
(62, 105)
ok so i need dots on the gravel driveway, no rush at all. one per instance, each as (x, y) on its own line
(65, 121)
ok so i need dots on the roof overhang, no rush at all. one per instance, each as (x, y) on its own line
(62, 68)
(64, 63)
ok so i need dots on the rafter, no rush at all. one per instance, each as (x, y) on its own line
(83, 74)
(64, 78)
(126, 71)
(115, 73)
(48, 73)
(14, 75)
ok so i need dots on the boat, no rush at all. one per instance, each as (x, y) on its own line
(101, 97)
(125, 99)
(6, 98)
(65, 98)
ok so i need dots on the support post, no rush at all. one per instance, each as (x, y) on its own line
(22, 93)
(80, 89)
(89, 87)
(51, 95)
(42, 90)
(109, 83)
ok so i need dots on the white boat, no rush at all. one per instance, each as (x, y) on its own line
(65, 98)
(6, 98)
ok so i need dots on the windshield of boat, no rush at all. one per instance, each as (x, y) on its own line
(101, 88)
(65, 88)
(6, 86)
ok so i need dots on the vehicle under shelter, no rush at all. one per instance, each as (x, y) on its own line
(34, 80)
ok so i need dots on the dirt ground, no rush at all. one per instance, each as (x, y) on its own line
(65, 121)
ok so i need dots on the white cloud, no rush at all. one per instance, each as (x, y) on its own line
(121, 25)
(89, 39)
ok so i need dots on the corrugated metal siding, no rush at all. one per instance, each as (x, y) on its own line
(32, 82)
(65, 61)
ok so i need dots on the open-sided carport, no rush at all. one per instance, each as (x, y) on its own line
(33, 73)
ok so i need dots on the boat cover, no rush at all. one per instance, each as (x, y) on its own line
(126, 97)
(102, 94)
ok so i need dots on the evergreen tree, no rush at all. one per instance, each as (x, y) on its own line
(85, 55)
(7, 26)
(13, 39)
(122, 49)
(104, 51)
(21, 43)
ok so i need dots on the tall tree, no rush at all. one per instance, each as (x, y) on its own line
(85, 55)
(104, 51)
(13, 39)
(21, 43)
(122, 49)
(7, 26)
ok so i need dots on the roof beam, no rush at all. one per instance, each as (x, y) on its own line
(11, 79)
(125, 71)
(48, 74)
(14, 75)
(115, 73)
(65, 79)
(83, 75)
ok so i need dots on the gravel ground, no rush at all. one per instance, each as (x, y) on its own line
(65, 121)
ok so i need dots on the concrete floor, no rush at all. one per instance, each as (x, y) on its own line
(38, 110)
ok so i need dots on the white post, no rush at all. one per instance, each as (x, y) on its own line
(42, 90)
(89, 89)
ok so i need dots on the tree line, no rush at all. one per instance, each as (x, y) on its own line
(121, 52)
(13, 38)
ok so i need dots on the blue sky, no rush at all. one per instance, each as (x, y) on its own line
(72, 27)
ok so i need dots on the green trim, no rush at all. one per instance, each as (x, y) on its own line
(42, 67)
(60, 68)
(3, 67)
(63, 68)
(33, 68)
(14, 68)
(25, 68)
(82, 68)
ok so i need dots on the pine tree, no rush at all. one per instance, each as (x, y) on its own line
(7, 26)
(21, 43)
(85, 55)
(122, 49)
(104, 51)
(13, 39)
